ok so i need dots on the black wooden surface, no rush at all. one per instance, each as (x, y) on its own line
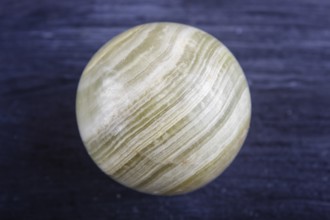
(283, 170)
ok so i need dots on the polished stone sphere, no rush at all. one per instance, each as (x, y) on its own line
(163, 108)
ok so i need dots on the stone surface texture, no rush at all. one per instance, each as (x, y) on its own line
(163, 108)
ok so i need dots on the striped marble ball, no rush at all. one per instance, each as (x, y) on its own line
(163, 108)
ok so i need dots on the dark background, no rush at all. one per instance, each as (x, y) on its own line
(283, 169)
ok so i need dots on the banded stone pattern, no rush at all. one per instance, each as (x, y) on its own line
(163, 108)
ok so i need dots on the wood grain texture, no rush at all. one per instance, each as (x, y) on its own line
(163, 108)
(282, 171)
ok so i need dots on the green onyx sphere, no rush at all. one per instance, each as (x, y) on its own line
(163, 108)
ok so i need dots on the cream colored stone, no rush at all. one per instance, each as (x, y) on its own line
(163, 108)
